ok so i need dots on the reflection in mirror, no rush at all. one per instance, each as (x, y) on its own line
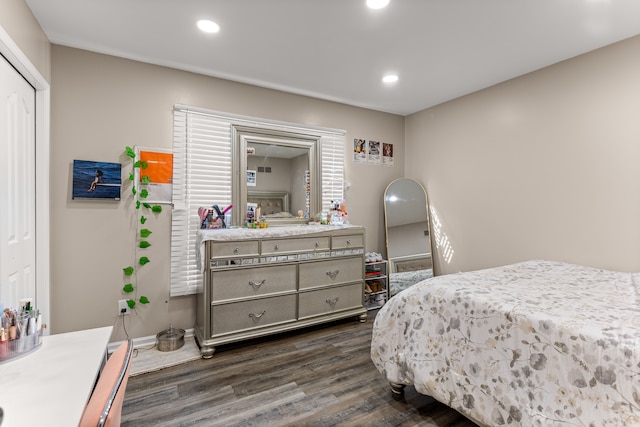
(408, 235)
(275, 172)
(275, 180)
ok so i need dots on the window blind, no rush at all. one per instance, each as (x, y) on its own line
(332, 170)
(202, 176)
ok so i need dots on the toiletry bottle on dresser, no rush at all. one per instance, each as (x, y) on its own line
(209, 220)
(250, 215)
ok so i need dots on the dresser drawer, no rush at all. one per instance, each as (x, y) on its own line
(329, 300)
(252, 282)
(347, 242)
(284, 246)
(233, 249)
(331, 272)
(257, 313)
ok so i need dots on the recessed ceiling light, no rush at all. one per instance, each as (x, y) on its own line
(390, 78)
(377, 4)
(208, 26)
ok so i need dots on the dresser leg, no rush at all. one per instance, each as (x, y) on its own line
(362, 318)
(207, 351)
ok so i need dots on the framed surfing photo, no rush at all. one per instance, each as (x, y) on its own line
(96, 180)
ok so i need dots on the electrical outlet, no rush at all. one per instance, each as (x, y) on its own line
(123, 307)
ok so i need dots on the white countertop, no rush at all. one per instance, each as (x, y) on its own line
(52, 385)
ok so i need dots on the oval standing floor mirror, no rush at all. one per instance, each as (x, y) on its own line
(406, 218)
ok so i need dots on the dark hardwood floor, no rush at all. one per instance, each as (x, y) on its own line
(321, 376)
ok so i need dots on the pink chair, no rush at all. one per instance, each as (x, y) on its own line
(105, 405)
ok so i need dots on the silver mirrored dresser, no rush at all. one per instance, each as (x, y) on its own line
(258, 282)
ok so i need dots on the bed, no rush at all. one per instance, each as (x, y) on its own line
(537, 343)
(402, 280)
(274, 207)
(408, 270)
(269, 202)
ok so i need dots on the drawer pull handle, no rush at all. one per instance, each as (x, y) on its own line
(333, 274)
(348, 242)
(256, 285)
(332, 302)
(256, 317)
(236, 250)
(317, 244)
(276, 247)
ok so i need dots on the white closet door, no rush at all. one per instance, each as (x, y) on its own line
(17, 187)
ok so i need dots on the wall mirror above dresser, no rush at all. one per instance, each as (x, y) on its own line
(277, 172)
(408, 234)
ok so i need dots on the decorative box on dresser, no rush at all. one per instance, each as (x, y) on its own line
(259, 282)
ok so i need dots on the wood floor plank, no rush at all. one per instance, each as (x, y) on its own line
(249, 409)
(316, 377)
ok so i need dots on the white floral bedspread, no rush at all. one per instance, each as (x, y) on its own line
(538, 343)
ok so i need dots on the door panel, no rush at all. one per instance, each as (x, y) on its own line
(17, 187)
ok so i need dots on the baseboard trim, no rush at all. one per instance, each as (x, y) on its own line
(148, 341)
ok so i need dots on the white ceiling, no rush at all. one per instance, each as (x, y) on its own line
(339, 49)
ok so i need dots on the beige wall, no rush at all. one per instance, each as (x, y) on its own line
(542, 166)
(100, 104)
(18, 21)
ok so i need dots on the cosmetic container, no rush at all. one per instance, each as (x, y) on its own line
(19, 334)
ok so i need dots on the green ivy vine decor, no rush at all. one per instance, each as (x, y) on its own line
(142, 233)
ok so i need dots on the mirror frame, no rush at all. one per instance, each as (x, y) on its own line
(392, 260)
(241, 136)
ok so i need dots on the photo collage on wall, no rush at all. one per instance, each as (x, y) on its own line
(372, 152)
(103, 180)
